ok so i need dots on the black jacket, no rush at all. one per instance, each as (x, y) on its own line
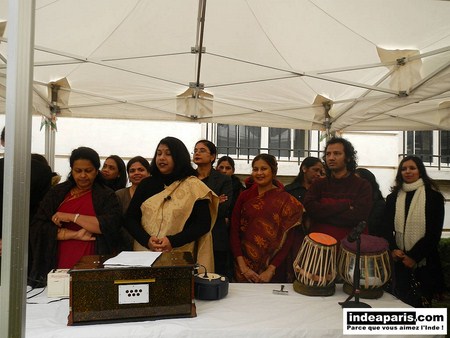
(43, 231)
(296, 190)
(40, 183)
(430, 276)
(221, 185)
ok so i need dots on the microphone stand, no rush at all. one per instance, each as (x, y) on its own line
(356, 281)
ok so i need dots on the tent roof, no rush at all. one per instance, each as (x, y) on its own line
(377, 64)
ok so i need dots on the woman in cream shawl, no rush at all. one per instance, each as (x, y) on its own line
(172, 209)
(414, 218)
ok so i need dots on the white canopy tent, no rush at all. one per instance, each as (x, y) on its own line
(335, 65)
(371, 65)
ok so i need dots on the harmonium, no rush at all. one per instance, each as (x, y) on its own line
(100, 294)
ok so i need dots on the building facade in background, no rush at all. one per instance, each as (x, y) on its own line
(377, 151)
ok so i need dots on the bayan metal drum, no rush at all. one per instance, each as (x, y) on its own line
(315, 265)
(374, 265)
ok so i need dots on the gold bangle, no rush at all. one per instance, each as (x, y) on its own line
(63, 234)
(75, 218)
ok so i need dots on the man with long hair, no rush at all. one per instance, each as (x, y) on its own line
(338, 202)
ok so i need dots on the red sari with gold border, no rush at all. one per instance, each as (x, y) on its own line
(260, 228)
(70, 251)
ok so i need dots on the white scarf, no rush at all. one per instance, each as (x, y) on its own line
(408, 231)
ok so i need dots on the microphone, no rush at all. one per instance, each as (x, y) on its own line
(357, 231)
(167, 198)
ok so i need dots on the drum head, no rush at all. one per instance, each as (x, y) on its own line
(322, 238)
(369, 244)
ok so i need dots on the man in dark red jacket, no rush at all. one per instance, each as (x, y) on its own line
(338, 202)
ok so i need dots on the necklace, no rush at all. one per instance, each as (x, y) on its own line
(76, 192)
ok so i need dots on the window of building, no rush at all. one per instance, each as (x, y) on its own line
(249, 140)
(420, 143)
(227, 139)
(445, 146)
(283, 143)
(301, 142)
(280, 142)
(238, 140)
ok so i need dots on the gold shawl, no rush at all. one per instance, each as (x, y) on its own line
(167, 212)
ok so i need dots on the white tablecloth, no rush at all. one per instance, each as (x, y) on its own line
(249, 310)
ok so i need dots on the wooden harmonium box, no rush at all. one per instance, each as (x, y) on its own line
(120, 294)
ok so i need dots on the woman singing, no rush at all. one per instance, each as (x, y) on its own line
(172, 209)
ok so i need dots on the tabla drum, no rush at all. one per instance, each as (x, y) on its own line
(315, 265)
(374, 265)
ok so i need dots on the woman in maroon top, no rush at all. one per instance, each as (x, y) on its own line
(260, 224)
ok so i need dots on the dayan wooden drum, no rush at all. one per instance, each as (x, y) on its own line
(374, 265)
(315, 265)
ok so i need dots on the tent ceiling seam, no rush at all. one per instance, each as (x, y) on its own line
(267, 35)
(111, 33)
(340, 23)
(430, 76)
(354, 102)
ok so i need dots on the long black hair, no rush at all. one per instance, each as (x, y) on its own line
(370, 177)
(429, 183)
(181, 158)
(228, 159)
(120, 181)
(308, 162)
(349, 150)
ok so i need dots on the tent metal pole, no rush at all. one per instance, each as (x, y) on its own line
(430, 76)
(327, 123)
(202, 18)
(367, 92)
(16, 194)
(50, 145)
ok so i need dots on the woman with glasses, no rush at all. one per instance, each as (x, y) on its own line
(205, 153)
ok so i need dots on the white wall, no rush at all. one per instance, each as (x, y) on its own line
(377, 151)
(126, 138)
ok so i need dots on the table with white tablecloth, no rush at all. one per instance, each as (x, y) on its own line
(249, 310)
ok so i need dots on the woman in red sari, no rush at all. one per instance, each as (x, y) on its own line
(261, 220)
(78, 217)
